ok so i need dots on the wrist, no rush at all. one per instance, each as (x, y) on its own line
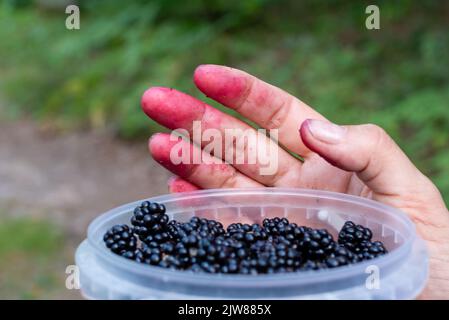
(438, 284)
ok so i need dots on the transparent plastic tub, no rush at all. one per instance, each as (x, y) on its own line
(400, 274)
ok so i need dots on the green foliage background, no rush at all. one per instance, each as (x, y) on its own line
(320, 51)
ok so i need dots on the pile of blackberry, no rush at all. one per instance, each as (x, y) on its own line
(203, 245)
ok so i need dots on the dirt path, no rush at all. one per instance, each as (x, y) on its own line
(72, 177)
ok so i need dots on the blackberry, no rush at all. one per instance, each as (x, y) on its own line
(272, 257)
(174, 229)
(316, 244)
(204, 245)
(203, 227)
(155, 239)
(148, 255)
(207, 227)
(358, 239)
(367, 250)
(312, 265)
(119, 239)
(340, 256)
(352, 234)
(149, 219)
(275, 226)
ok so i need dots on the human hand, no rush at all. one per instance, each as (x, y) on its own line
(360, 160)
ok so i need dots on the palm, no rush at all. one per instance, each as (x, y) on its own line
(318, 174)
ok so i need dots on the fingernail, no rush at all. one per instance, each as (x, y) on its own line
(326, 131)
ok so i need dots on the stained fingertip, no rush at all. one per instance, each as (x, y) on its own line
(171, 180)
(153, 96)
(172, 108)
(220, 83)
(159, 147)
(177, 184)
(157, 139)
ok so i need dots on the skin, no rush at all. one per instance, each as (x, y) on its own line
(360, 160)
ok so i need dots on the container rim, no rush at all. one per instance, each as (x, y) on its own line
(227, 280)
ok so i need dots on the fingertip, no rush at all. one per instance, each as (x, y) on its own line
(156, 138)
(221, 83)
(172, 108)
(153, 97)
(204, 69)
(157, 144)
(201, 75)
(171, 183)
(161, 149)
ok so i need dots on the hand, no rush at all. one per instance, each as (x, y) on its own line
(360, 160)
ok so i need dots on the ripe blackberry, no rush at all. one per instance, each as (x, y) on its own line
(174, 229)
(148, 255)
(119, 239)
(154, 240)
(312, 265)
(367, 250)
(207, 227)
(340, 256)
(352, 234)
(358, 239)
(148, 219)
(272, 257)
(202, 227)
(275, 226)
(203, 245)
(316, 244)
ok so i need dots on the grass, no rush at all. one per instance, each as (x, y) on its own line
(33, 257)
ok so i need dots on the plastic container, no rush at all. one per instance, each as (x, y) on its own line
(401, 273)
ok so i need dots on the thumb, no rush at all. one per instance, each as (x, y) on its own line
(366, 150)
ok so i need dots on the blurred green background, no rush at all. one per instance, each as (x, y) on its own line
(320, 51)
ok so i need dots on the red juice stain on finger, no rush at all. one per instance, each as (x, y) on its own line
(171, 108)
(177, 184)
(224, 84)
(161, 148)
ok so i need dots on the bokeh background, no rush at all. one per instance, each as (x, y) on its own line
(73, 138)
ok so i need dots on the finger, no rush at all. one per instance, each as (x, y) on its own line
(174, 109)
(206, 174)
(177, 185)
(364, 149)
(264, 104)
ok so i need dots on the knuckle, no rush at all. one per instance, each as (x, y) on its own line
(380, 136)
(229, 181)
(279, 115)
(248, 91)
